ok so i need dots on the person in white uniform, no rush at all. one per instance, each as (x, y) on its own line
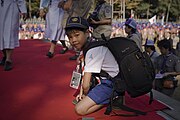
(54, 19)
(10, 11)
(91, 99)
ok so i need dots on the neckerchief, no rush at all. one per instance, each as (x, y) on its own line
(152, 53)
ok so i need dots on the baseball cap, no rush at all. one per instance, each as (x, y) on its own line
(149, 43)
(76, 22)
(131, 22)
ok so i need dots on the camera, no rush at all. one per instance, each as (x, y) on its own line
(93, 16)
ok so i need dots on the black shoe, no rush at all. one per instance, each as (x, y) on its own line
(2, 62)
(63, 50)
(50, 55)
(74, 57)
(117, 102)
(8, 66)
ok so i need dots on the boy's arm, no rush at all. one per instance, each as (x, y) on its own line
(172, 73)
(86, 82)
(105, 21)
(84, 89)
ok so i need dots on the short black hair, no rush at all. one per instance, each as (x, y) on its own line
(151, 47)
(165, 44)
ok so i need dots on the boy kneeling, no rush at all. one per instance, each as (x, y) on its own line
(96, 59)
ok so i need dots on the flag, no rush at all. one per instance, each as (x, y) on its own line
(162, 21)
(152, 20)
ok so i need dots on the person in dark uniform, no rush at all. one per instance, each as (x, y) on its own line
(150, 49)
(133, 33)
(101, 20)
(167, 67)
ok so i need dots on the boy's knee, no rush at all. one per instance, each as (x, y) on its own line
(79, 110)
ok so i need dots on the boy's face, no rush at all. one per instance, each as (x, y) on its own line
(78, 38)
(163, 50)
(128, 29)
(146, 48)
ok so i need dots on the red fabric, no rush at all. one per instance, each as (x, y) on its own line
(38, 88)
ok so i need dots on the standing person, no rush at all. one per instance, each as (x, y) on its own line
(177, 50)
(10, 11)
(75, 8)
(167, 66)
(150, 49)
(168, 36)
(91, 100)
(101, 20)
(131, 30)
(54, 19)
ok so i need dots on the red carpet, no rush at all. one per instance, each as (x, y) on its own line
(38, 88)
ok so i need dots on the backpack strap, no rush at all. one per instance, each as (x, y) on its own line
(93, 44)
(109, 107)
(151, 97)
(122, 107)
(121, 93)
(103, 37)
(134, 111)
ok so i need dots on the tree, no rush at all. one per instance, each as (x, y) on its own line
(170, 8)
(144, 8)
(132, 5)
(33, 7)
(148, 8)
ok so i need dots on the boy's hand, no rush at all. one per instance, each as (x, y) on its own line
(79, 97)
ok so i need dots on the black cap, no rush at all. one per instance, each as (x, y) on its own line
(76, 22)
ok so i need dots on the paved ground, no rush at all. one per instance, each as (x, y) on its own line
(177, 91)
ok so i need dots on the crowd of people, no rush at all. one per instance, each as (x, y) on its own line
(35, 29)
(32, 28)
(155, 31)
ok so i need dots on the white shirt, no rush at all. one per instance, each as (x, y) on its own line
(101, 58)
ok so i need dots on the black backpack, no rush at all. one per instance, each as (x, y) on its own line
(136, 69)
